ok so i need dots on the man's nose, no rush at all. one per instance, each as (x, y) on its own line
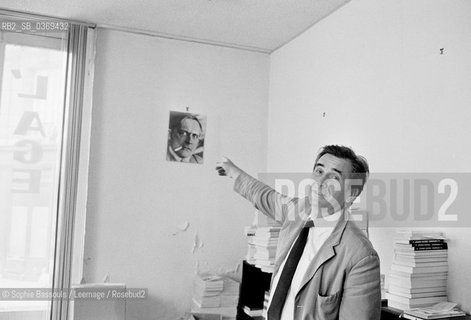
(325, 184)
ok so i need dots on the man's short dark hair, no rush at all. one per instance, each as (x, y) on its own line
(360, 167)
(176, 119)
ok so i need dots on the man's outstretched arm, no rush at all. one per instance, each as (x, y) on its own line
(263, 197)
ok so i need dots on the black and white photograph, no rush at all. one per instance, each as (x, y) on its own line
(186, 137)
(235, 160)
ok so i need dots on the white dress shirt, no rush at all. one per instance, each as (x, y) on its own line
(316, 238)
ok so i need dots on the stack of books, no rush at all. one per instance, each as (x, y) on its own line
(418, 314)
(442, 310)
(419, 270)
(250, 233)
(262, 243)
(214, 294)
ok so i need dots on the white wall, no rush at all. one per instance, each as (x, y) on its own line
(137, 198)
(375, 69)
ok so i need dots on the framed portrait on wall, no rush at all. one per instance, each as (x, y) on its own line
(186, 137)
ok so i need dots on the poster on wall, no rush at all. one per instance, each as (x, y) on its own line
(186, 137)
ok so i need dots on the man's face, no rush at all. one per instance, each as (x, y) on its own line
(185, 140)
(331, 183)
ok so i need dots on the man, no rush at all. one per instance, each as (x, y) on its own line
(184, 137)
(335, 274)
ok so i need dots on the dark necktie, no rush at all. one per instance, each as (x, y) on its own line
(284, 283)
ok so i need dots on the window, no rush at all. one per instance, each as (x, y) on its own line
(45, 77)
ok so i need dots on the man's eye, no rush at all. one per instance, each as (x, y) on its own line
(318, 171)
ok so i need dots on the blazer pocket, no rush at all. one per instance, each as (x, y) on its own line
(327, 307)
(329, 298)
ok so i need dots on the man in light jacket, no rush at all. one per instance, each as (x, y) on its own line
(336, 274)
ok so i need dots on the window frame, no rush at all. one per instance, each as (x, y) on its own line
(74, 151)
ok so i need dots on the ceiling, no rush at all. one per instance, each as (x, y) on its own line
(258, 25)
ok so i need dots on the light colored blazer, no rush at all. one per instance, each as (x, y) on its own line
(343, 280)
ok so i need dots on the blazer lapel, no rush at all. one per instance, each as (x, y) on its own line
(285, 244)
(325, 253)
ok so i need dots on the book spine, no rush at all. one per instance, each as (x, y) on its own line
(426, 241)
(440, 247)
(429, 245)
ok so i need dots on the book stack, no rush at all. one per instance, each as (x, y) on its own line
(442, 310)
(262, 243)
(215, 295)
(419, 270)
(418, 314)
(250, 233)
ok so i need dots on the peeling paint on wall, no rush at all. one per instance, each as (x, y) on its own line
(182, 227)
(197, 243)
